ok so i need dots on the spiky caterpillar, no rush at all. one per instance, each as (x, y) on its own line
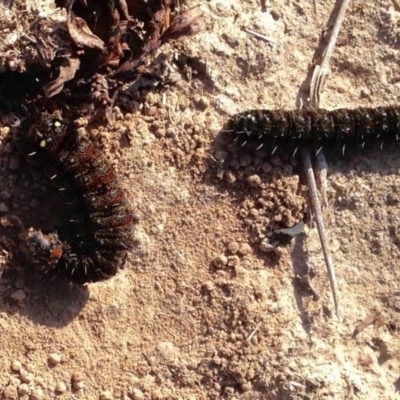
(100, 249)
(291, 130)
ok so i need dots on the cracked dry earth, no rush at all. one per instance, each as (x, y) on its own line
(199, 312)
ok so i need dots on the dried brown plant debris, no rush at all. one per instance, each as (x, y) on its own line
(83, 44)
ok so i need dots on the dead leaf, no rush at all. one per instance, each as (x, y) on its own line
(68, 69)
(80, 32)
(186, 24)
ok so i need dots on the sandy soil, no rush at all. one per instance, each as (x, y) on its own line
(200, 312)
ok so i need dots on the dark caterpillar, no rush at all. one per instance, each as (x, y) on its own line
(291, 130)
(100, 248)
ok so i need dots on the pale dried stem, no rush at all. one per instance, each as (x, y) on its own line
(263, 37)
(318, 80)
(321, 71)
(253, 332)
(316, 206)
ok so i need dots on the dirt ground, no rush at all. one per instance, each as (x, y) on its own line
(199, 312)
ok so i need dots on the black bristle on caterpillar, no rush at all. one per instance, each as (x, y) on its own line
(99, 249)
(295, 129)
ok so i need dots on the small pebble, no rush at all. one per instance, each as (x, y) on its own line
(275, 14)
(365, 93)
(12, 65)
(9, 393)
(106, 395)
(23, 389)
(39, 381)
(149, 110)
(232, 92)
(78, 385)
(221, 7)
(267, 247)
(233, 261)
(160, 132)
(27, 377)
(243, 213)
(233, 247)
(254, 180)
(77, 381)
(209, 286)
(244, 249)
(37, 394)
(16, 366)
(246, 387)
(171, 132)
(18, 296)
(61, 387)
(54, 358)
(254, 212)
(137, 394)
(230, 177)
(220, 261)
(14, 381)
(3, 207)
(203, 103)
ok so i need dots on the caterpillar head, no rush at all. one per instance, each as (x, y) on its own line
(43, 138)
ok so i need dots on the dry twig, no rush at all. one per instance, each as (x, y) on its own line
(321, 71)
(253, 332)
(320, 223)
(318, 80)
(263, 37)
